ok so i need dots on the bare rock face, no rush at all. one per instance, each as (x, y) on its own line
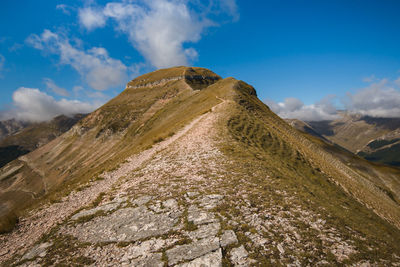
(212, 259)
(37, 251)
(127, 224)
(193, 250)
(239, 256)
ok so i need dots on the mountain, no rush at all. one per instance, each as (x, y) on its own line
(10, 127)
(375, 139)
(33, 136)
(185, 168)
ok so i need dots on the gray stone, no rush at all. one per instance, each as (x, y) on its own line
(142, 200)
(239, 256)
(192, 194)
(106, 208)
(206, 230)
(192, 251)
(280, 248)
(213, 259)
(127, 224)
(228, 238)
(152, 260)
(198, 216)
(171, 204)
(145, 248)
(210, 201)
(37, 251)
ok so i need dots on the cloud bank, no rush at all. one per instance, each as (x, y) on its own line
(30, 104)
(379, 99)
(159, 29)
(293, 108)
(96, 67)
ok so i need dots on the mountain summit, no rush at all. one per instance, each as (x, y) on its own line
(185, 168)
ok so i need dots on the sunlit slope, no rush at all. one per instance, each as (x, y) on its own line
(151, 108)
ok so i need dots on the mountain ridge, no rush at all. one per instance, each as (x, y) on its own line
(213, 171)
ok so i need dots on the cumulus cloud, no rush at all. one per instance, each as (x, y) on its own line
(158, 29)
(50, 84)
(98, 69)
(293, 108)
(30, 104)
(380, 99)
(91, 18)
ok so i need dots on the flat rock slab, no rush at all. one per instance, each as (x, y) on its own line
(127, 224)
(239, 256)
(213, 259)
(37, 251)
(192, 251)
(228, 238)
(210, 201)
(205, 230)
(106, 208)
(198, 216)
(152, 260)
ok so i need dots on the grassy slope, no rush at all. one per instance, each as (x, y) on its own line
(266, 147)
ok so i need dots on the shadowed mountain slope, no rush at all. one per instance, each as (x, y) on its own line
(184, 168)
(375, 139)
(10, 127)
(34, 136)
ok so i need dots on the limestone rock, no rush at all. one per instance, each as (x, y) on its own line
(213, 259)
(127, 224)
(198, 216)
(37, 251)
(239, 256)
(206, 230)
(192, 251)
(228, 238)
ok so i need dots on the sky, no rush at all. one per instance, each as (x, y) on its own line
(306, 59)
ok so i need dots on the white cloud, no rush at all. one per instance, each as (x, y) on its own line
(30, 104)
(50, 84)
(397, 82)
(98, 69)
(294, 108)
(159, 29)
(380, 99)
(231, 8)
(64, 8)
(91, 18)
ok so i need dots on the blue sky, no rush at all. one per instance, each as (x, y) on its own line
(305, 58)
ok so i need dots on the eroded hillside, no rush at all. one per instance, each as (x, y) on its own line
(185, 168)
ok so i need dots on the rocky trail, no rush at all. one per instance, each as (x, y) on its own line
(179, 203)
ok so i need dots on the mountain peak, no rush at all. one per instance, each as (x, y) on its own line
(197, 78)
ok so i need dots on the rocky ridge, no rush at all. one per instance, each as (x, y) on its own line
(220, 191)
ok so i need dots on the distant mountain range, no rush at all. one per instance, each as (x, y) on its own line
(20, 138)
(375, 139)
